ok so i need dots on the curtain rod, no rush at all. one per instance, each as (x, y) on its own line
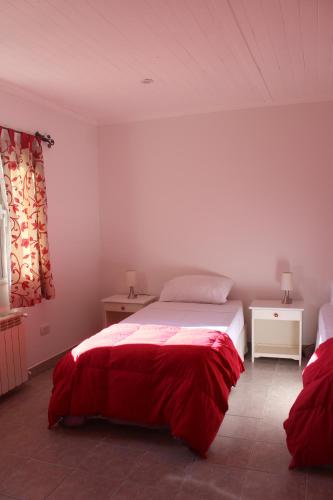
(45, 138)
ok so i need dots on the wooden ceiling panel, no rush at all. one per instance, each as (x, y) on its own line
(90, 56)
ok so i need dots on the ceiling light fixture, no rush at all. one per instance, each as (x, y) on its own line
(147, 80)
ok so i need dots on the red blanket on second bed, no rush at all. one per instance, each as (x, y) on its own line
(154, 375)
(309, 427)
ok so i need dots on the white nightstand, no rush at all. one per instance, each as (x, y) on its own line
(277, 329)
(118, 307)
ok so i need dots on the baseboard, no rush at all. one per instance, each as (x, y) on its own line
(47, 364)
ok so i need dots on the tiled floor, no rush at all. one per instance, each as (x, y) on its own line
(248, 460)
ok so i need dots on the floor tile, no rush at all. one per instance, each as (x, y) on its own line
(248, 402)
(279, 401)
(68, 450)
(211, 482)
(8, 464)
(269, 457)
(260, 363)
(152, 474)
(107, 460)
(276, 412)
(263, 485)
(285, 392)
(239, 427)
(230, 451)
(140, 438)
(155, 466)
(271, 430)
(24, 440)
(259, 370)
(33, 480)
(81, 485)
(162, 490)
(5, 497)
(320, 484)
(289, 364)
(178, 454)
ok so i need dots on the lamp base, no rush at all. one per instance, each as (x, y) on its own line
(286, 299)
(131, 294)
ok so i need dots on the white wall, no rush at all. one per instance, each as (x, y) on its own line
(244, 193)
(71, 169)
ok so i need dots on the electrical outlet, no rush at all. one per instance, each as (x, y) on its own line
(45, 329)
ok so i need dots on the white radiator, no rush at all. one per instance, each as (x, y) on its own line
(13, 363)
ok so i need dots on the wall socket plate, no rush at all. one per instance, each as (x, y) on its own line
(44, 329)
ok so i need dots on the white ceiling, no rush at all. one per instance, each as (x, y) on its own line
(89, 56)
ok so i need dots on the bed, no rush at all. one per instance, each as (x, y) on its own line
(309, 427)
(325, 323)
(170, 364)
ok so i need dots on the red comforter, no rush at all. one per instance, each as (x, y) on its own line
(154, 375)
(309, 427)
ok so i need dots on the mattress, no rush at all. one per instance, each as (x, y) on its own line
(226, 317)
(325, 324)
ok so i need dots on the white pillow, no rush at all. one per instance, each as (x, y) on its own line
(197, 288)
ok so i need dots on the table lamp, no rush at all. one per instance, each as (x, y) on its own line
(131, 283)
(286, 286)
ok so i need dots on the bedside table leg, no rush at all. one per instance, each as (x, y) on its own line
(105, 318)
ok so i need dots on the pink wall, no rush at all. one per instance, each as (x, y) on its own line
(244, 193)
(74, 231)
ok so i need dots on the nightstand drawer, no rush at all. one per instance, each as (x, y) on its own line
(116, 307)
(277, 314)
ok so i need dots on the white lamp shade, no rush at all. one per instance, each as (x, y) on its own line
(131, 278)
(286, 281)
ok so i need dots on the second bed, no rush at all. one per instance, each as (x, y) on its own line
(309, 427)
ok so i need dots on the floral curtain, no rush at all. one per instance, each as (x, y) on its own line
(23, 171)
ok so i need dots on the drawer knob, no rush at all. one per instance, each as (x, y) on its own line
(123, 308)
(276, 315)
